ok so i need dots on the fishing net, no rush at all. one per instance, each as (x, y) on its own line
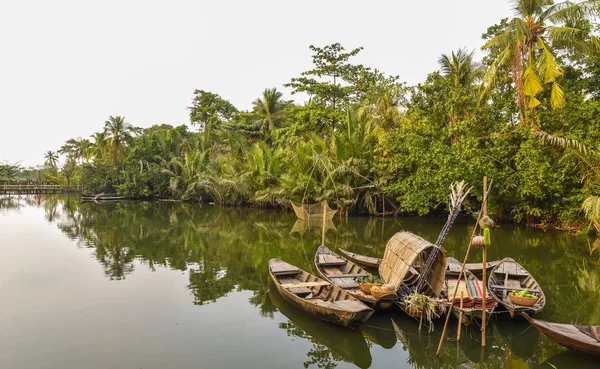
(313, 211)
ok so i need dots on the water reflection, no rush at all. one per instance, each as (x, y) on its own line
(222, 250)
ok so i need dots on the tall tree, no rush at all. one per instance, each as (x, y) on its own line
(50, 158)
(270, 111)
(460, 68)
(329, 83)
(527, 49)
(76, 148)
(119, 134)
(210, 111)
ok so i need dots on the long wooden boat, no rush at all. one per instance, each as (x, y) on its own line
(508, 276)
(317, 296)
(582, 338)
(373, 262)
(368, 261)
(345, 274)
(473, 291)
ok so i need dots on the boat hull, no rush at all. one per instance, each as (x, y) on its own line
(567, 335)
(315, 307)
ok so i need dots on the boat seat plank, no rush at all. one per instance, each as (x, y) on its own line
(331, 260)
(510, 288)
(283, 268)
(348, 275)
(348, 305)
(345, 283)
(305, 284)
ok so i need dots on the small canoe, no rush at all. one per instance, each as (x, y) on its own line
(368, 261)
(373, 262)
(317, 296)
(509, 275)
(473, 292)
(345, 274)
(581, 338)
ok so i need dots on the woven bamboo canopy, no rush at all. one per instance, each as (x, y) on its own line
(313, 211)
(401, 252)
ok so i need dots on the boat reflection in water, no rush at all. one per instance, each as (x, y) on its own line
(570, 360)
(330, 342)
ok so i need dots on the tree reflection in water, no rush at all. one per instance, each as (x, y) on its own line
(228, 249)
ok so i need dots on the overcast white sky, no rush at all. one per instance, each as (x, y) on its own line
(65, 66)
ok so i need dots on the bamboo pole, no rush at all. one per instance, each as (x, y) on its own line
(460, 316)
(324, 220)
(484, 281)
(462, 269)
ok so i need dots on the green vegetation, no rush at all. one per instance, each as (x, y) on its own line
(370, 144)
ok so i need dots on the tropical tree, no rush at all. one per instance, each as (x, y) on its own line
(385, 112)
(527, 49)
(51, 159)
(99, 147)
(460, 68)
(76, 148)
(119, 133)
(270, 112)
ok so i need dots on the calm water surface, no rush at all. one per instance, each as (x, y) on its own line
(171, 285)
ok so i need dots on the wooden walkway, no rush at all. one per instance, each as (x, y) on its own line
(28, 189)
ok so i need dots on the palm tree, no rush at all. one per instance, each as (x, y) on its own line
(386, 112)
(460, 68)
(270, 111)
(590, 172)
(51, 158)
(119, 133)
(76, 148)
(525, 49)
(99, 146)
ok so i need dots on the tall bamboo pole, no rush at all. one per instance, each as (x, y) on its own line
(460, 316)
(462, 269)
(484, 282)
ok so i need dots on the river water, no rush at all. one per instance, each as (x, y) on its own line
(173, 285)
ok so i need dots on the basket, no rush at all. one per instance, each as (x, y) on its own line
(366, 287)
(379, 293)
(523, 301)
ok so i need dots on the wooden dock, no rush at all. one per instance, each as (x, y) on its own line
(31, 189)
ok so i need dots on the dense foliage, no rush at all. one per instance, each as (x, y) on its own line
(369, 143)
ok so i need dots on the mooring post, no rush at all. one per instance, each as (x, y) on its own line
(484, 262)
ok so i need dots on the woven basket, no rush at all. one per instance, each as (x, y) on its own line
(523, 301)
(379, 293)
(366, 287)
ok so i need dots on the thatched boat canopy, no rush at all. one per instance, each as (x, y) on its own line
(313, 211)
(401, 253)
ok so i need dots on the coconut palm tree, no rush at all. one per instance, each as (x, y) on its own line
(460, 68)
(270, 111)
(51, 158)
(386, 112)
(119, 133)
(525, 49)
(76, 148)
(590, 172)
(98, 148)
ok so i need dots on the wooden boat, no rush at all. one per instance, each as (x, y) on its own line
(582, 338)
(472, 286)
(508, 276)
(373, 262)
(344, 274)
(368, 261)
(316, 296)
